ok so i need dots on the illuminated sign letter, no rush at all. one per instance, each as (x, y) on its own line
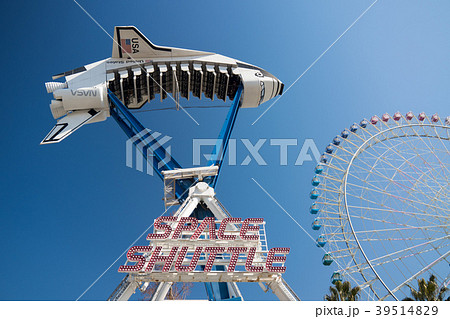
(249, 262)
(156, 257)
(158, 225)
(271, 258)
(181, 226)
(188, 248)
(192, 264)
(246, 227)
(223, 226)
(132, 257)
(234, 257)
(207, 222)
(213, 251)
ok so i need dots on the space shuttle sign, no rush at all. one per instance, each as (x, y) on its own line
(187, 249)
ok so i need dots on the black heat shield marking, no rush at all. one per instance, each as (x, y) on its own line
(52, 138)
(62, 126)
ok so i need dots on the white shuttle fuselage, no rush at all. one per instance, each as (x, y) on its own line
(139, 70)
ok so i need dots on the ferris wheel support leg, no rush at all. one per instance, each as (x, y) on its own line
(162, 291)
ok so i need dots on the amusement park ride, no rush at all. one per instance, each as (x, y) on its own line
(201, 242)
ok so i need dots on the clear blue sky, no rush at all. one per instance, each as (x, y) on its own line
(69, 210)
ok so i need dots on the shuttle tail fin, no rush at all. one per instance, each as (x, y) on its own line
(130, 43)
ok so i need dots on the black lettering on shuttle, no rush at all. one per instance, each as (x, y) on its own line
(135, 45)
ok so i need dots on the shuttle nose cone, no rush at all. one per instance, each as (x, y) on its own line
(272, 87)
(259, 86)
(281, 88)
(277, 85)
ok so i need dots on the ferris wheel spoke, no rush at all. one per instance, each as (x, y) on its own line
(404, 199)
(427, 241)
(389, 140)
(441, 141)
(424, 143)
(390, 239)
(398, 229)
(390, 255)
(378, 190)
(396, 197)
(435, 176)
(379, 262)
(327, 223)
(380, 175)
(392, 210)
(420, 272)
(336, 202)
(446, 281)
(400, 258)
(407, 226)
(384, 247)
(418, 216)
(396, 169)
(433, 153)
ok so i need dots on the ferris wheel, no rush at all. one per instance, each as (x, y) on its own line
(381, 203)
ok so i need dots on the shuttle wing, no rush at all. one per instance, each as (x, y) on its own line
(69, 124)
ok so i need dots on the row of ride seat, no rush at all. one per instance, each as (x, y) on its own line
(136, 85)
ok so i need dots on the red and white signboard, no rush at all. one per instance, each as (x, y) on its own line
(187, 245)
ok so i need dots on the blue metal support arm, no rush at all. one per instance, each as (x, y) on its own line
(147, 144)
(221, 146)
(144, 140)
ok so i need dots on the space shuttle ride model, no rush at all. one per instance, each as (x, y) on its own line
(139, 70)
